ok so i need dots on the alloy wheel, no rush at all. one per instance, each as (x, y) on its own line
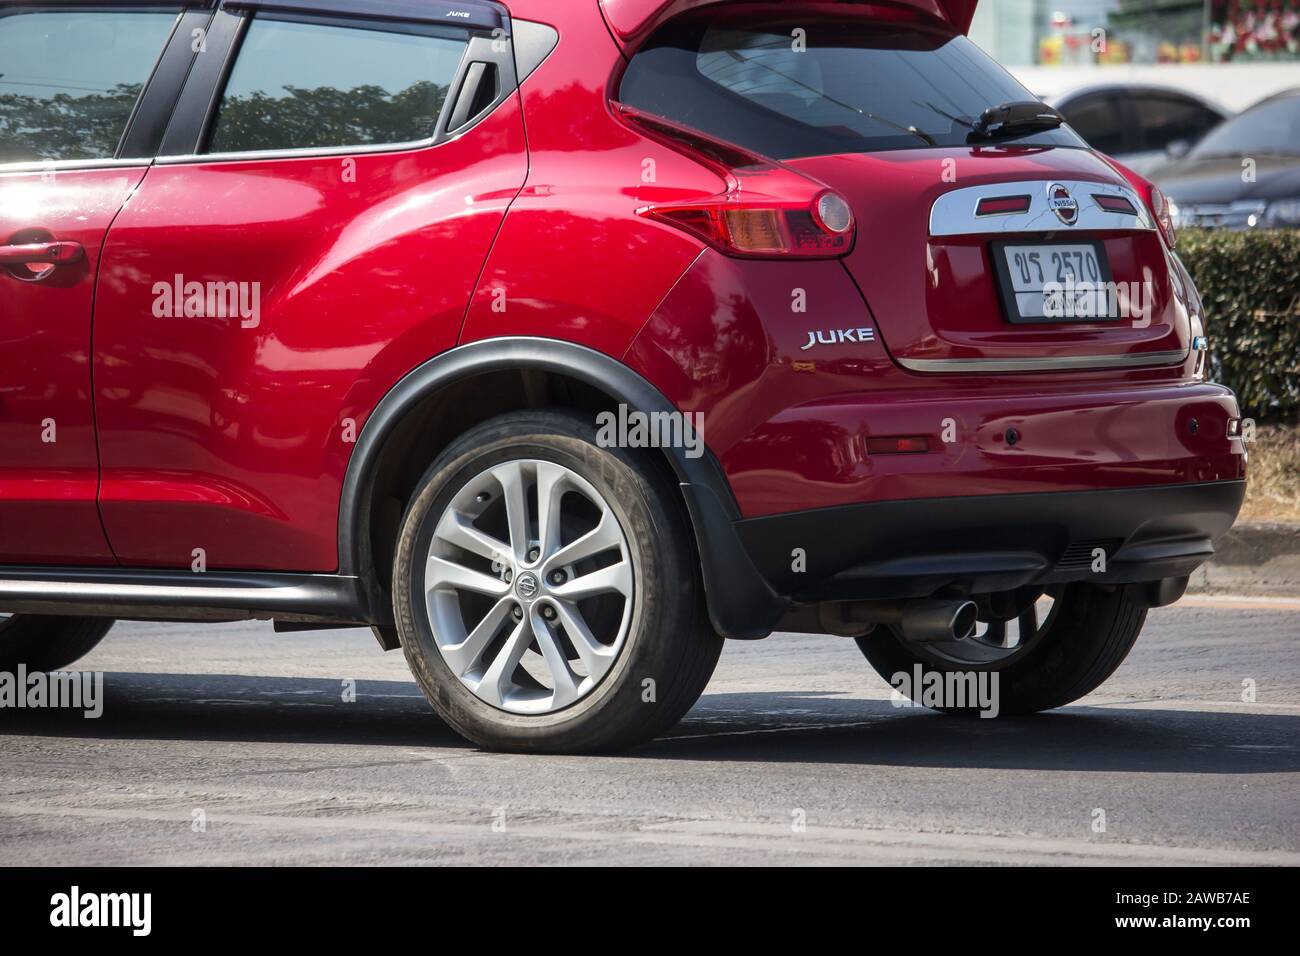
(529, 586)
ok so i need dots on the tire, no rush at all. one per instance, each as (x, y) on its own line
(1087, 635)
(653, 630)
(48, 643)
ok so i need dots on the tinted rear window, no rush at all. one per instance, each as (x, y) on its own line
(817, 88)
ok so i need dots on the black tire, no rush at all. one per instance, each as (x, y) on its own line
(48, 643)
(1085, 639)
(669, 641)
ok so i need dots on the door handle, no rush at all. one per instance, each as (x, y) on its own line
(42, 253)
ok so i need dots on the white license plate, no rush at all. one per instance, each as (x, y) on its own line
(1053, 281)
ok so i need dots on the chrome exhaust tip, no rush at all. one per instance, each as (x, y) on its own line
(931, 622)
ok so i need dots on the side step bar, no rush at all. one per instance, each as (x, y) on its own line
(184, 595)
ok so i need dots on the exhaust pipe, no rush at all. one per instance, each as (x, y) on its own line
(927, 622)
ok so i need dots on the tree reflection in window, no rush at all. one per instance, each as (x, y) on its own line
(65, 125)
(325, 116)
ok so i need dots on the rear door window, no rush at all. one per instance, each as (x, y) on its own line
(1164, 119)
(822, 87)
(1097, 118)
(306, 85)
(70, 78)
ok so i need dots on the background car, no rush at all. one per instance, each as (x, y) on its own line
(1243, 175)
(1138, 125)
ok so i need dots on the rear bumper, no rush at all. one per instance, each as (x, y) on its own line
(910, 549)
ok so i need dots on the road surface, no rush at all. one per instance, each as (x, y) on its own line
(229, 744)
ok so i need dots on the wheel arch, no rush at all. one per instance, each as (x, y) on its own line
(427, 409)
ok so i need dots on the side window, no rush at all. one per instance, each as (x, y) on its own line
(1097, 119)
(69, 79)
(305, 85)
(1163, 119)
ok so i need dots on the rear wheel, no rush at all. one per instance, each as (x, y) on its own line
(1046, 652)
(546, 591)
(45, 643)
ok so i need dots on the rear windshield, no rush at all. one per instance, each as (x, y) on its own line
(817, 88)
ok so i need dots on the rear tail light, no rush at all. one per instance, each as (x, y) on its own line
(1154, 198)
(1164, 215)
(767, 209)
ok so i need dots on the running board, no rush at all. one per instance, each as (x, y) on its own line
(184, 595)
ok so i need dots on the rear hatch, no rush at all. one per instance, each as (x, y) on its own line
(1011, 252)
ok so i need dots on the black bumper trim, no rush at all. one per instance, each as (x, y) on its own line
(894, 550)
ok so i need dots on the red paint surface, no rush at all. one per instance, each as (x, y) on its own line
(47, 488)
(233, 439)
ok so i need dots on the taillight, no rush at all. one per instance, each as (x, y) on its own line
(763, 226)
(767, 210)
(1164, 216)
(1154, 198)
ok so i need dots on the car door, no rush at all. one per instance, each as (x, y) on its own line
(324, 199)
(70, 80)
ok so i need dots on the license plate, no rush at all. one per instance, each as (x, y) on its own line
(1054, 281)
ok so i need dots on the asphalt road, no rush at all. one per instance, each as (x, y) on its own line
(794, 755)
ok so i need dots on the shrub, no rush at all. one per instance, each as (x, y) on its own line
(1250, 285)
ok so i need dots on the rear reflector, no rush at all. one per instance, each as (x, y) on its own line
(1114, 204)
(1002, 205)
(898, 445)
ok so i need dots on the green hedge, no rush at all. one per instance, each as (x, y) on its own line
(1250, 284)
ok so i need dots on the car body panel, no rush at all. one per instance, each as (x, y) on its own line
(49, 468)
(573, 260)
(790, 424)
(934, 297)
(235, 438)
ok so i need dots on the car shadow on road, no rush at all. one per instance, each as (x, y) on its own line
(827, 728)
(790, 726)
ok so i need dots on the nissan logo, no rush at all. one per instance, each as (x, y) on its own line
(526, 585)
(1063, 204)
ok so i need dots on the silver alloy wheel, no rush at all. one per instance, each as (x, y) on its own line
(530, 624)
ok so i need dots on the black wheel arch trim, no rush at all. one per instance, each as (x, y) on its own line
(740, 602)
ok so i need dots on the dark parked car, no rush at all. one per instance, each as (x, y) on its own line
(1138, 125)
(1243, 175)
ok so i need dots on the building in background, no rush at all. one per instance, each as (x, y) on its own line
(1234, 51)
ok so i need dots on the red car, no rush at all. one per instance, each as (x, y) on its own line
(557, 342)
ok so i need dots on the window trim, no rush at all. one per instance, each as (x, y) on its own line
(194, 117)
(154, 82)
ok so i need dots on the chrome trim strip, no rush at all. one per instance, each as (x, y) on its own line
(1047, 363)
(954, 213)
(182, 593)
(56, 165)
(301, 153)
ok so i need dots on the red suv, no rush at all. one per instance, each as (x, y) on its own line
(558, 341)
